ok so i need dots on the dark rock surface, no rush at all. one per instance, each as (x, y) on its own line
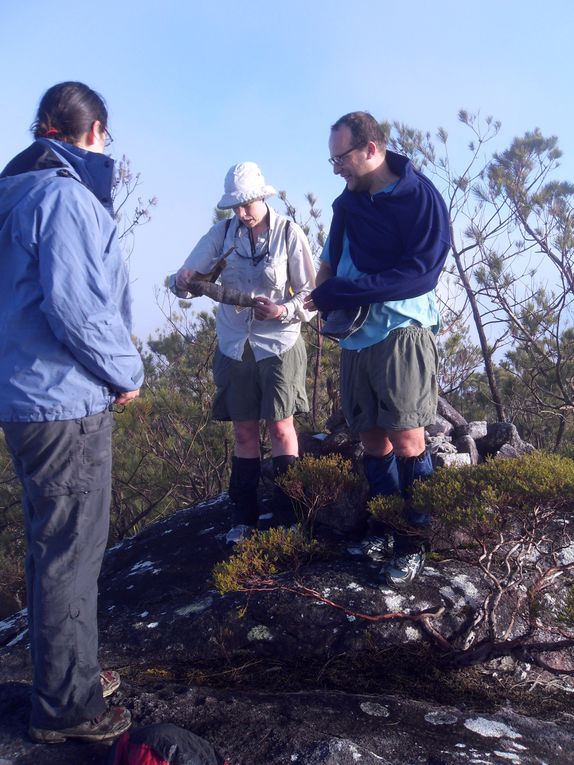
(298, 674)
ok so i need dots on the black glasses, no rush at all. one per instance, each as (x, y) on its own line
(340, 158)
(109, 140)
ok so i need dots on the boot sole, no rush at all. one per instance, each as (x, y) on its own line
(41, 736)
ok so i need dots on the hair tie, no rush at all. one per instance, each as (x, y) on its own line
(51, 131)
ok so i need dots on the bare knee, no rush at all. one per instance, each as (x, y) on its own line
(283, 437)
(376, 442)
(246, 438)
(408, 443)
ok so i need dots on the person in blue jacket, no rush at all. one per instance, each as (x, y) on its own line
(388, 241)
(66, 356)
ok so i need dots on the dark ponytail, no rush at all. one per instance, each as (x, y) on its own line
(67, 112)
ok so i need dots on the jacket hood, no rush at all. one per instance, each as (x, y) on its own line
(35, 157)
(94, 170)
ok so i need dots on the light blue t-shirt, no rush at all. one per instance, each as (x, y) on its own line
(384, 317)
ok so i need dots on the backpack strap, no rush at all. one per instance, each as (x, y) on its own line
(287, 229)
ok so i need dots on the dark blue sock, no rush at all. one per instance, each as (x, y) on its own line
(382, 474)
(413, 469)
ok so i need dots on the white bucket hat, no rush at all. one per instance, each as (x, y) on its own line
(244, 183)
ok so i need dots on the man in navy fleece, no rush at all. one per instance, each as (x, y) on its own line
(387, 245)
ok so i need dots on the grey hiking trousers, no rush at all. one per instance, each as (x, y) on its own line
(65, 471)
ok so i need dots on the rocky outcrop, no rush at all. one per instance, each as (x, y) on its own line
(452, 440)
(324, 666)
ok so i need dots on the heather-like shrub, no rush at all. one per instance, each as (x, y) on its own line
(492, 496)
(567, 615)
(262, 557)
(316, 482)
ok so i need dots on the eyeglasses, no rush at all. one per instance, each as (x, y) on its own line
(109, 140)
(340, 158)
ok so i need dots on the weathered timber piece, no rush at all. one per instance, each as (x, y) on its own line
(220, 294)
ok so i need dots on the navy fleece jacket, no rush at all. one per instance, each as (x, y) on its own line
(399, 239)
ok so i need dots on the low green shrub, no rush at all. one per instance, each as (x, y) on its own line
(567, 614)
(482, 498)
(316, 482)
(264, 556)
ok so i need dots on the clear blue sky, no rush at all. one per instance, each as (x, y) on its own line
(194, 87)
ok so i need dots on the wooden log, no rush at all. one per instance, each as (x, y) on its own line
(220, 294)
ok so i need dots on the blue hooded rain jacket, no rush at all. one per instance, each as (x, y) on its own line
(65, 316)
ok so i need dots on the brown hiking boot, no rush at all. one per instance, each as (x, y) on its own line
(112, 723)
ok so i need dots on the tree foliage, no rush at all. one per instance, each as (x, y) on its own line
(168, 453)
(512, 255)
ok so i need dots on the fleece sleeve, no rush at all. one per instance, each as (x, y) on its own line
(415, 271)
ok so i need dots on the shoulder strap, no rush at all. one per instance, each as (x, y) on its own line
(230, 250)
(213, 275)
(287, 229)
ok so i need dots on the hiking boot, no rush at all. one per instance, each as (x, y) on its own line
(377, 547)
(110, 681)
(110, 724)
(238, 533)
(402, 570)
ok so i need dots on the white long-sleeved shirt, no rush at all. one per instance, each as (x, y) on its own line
(285, 274)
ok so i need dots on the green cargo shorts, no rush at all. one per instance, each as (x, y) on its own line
(271, 389)
(392, 384)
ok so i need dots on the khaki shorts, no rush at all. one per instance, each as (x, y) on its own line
(393, 384)
(272, 389)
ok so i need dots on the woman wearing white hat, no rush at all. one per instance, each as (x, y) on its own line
(260, 362)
